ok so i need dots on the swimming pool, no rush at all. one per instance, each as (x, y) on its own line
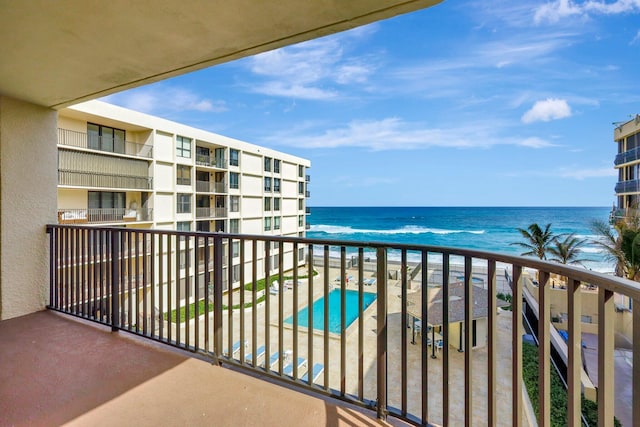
(351, 301)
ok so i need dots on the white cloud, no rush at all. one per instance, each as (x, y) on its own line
(557, 10)
(158, 98)
(313, 69)
(581, 174)
(549, 109)
(636, 39)
(535, 142)
(395, 134)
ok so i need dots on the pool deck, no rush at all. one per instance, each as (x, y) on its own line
(414, 356)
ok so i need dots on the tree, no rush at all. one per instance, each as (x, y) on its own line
(621, 244)
(537, 241)
(566, 251)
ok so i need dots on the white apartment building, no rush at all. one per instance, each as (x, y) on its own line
(118, 167)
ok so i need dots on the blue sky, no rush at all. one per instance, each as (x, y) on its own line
(467, 103)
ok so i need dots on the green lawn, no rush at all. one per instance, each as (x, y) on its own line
(260, 285)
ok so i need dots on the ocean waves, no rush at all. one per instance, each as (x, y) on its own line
(408, 229)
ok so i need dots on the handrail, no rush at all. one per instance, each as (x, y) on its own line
(92, 277)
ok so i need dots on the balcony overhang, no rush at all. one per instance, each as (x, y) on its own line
(56, 54)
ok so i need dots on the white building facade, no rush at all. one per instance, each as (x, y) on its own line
(118, 167)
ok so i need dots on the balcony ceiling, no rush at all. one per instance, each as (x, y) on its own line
(57, 54)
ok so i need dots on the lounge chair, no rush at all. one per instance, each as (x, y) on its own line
(259, 353)
(273, 360)
(317, 370)
(275, 288)
(288, 369)
(235, 349)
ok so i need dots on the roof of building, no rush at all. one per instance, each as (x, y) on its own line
(456, 304)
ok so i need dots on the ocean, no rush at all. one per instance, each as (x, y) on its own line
(483, 228)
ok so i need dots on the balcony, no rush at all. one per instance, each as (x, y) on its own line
(211, 162)
(103, 216)
(307, 210)
(210, 187)
(75, 139)
(209, 212)
(307, 194)
(632, 186)
(405, 352)
(101, 180)
(627, 156)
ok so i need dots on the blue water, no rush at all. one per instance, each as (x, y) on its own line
(482, 228)
(351, 302)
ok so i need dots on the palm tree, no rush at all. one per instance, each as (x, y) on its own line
(566, 251)
(537, 241)
(621, 244)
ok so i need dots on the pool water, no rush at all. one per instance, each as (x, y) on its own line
(334, 310)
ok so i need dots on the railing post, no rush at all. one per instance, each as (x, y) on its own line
(217, 297)
(605, 357)
(381, 258)
(115, 279)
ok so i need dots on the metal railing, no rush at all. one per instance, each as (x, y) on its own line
(627, 156)
(358, 350)
(209, 161)
(211, 187)
(72, 138)
(94, 216)
(100, 180)
(209, 212)
(632, 186)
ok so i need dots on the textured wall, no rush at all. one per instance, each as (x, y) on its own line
(28, 197)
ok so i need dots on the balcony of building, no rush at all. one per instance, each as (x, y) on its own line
(208, 161)
(414, 332)
(210, 187)
(104, 216)
(70, 138)
(64, 371)
(631, 186)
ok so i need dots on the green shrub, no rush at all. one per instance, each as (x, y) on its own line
(558, 392)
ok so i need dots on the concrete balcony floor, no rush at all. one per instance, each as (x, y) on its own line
(56, 370)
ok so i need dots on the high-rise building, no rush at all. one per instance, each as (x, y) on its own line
(118, 167)
(627, 162)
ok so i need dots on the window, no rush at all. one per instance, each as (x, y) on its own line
(586, 319)
(106, 200)
(301, 254)
(183, 226)
(235, 249)
(300, 204)
(233, 157)
(183, 203)
(267, 164)
(276, 165)
(267, 224)
(276, 185)
(234, 180)
(267, 203)
(301, 188)
(105, 138)
(300, 171)
(235, 203)
(183, 175)
(267, 183)
(276, 203)
(183, 146)
(300, 221)
(234, 226)
(236, 273)
(276, 223)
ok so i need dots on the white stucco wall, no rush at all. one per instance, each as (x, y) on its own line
(28, 197)
(163, 148)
